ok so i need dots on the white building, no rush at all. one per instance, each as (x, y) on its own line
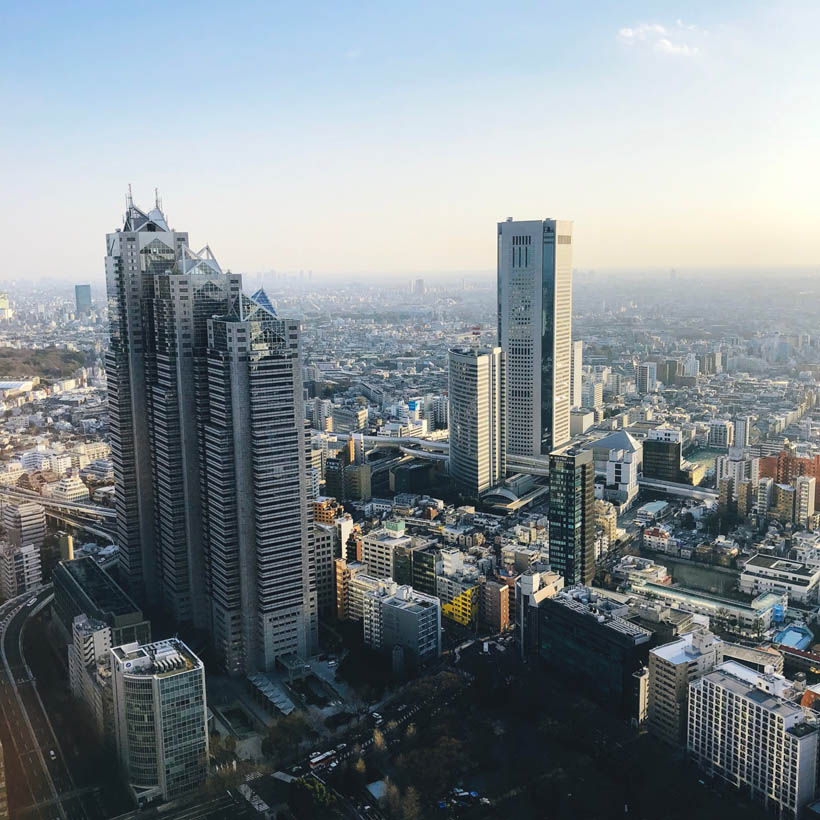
(535, 260)
(804, 487)
(25, 523)
(20, 569)
(767, 573)
(378, 546)
(746, 729)
(324, 539)
(592, 394)
(743, 431)
(160, 718)
(478, 427)
(70, 488)
(577, 367)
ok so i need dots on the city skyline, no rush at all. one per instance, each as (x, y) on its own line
(632, 120)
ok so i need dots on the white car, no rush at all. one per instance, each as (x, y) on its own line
(52, 754)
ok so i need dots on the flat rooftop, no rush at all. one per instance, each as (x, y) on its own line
(779, 565)
(161, 658)
(99, 586)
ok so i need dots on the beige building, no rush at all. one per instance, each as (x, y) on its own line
(672, 667)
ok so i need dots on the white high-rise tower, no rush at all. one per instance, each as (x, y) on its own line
(535, 331)
(477, 418)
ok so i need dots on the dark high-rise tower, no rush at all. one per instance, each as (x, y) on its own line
(572, 526)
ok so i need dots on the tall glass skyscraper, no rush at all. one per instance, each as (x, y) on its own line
(535, 331)
(572, 525)
(173, 417)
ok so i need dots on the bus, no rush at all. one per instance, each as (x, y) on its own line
(322, 760)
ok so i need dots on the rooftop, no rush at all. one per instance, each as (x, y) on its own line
(99, 586)
(161, 658)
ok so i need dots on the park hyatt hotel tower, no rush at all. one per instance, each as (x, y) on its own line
(535, 332)
(208, 445)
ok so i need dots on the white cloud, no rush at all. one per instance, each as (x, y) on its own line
(353, 54)
(681, 40)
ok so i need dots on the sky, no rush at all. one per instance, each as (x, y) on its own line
(390, 138)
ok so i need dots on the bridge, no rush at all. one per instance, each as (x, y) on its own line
(682, 490)
(93, 511)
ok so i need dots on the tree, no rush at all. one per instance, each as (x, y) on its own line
(379, 743)
(411, 806)
(310, 798)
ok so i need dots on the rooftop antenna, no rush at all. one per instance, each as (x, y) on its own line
(157, 200)
(129, 200)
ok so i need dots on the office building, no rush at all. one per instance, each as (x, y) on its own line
(402, 617)
(348, 419)
(83, 588)
(379, 545)
(672, 667)
(160, 295)
(160, 718)
(209, 447)
(662, 458)
(89, 672)
(324, 542)
(532, 587)
(535, 332)
(571, 515)
(576, 360)
(257, 504)
(417, 564)
(478, 429)
(25, 523)
(646, 377)
(20, 569)
(746, 729)
(743, 431)
(82, 299)
(584, 635)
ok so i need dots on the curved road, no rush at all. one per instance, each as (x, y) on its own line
(42, 786)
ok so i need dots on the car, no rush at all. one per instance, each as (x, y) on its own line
(331, 664)
(377, 717)
(52, 754)
(341, 747)
(31, 602)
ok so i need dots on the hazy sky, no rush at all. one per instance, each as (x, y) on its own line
(391, 137)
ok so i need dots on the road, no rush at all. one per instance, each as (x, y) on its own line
(44, 786)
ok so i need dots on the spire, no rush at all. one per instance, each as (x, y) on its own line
(129, 200)
(157, 200)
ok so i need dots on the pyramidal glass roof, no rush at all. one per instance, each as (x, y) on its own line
(261, 299)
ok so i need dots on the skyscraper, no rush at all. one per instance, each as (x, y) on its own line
(571, 515)
(82, 299)
(577, 370)
(257, 518)
(477, 418)
(208, 446)
(535, 331)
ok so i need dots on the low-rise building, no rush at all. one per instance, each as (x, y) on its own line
(768, 573)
